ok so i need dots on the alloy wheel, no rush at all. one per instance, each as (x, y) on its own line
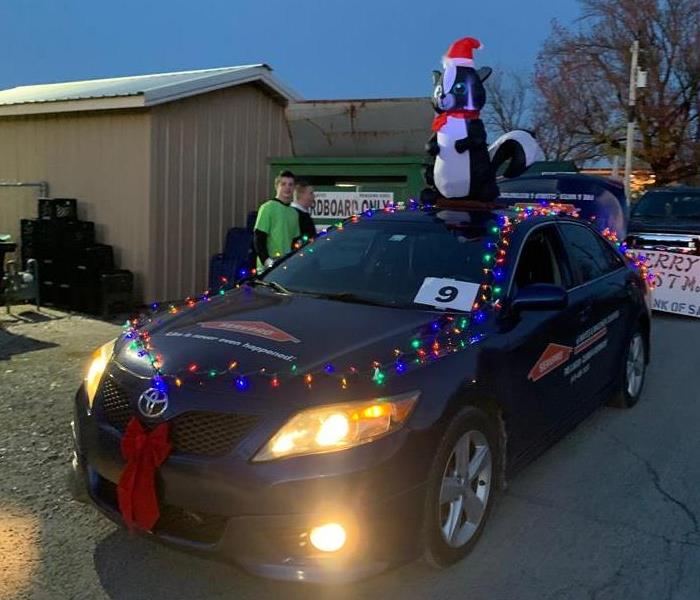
(465, 489)
(635, 366)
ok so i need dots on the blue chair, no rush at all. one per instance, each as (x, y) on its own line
(238, 257)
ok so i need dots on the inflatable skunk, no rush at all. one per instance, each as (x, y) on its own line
(465, 167)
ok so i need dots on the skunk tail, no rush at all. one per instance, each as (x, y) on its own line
(520, 148)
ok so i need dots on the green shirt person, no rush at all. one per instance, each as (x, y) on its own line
(277, 224)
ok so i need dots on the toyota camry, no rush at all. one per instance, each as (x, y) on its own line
(361, 403)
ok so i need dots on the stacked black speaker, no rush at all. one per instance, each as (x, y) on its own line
(75, 272)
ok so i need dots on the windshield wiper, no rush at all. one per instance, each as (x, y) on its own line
(355, 299)
(272, 285)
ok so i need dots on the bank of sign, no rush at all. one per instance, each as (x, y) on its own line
(677, 281)
(341, 205)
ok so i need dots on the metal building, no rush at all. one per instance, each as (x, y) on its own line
(163, 164)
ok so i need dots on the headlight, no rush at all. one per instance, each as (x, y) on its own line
(338, 426)
(100, 358)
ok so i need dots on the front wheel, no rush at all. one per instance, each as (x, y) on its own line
(461, 488)
(634, 372)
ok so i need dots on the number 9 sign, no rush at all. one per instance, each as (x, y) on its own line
(447, 293)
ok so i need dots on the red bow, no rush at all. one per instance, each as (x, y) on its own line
(440, 120)
(143, 452)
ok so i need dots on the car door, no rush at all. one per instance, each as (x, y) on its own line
(538, 345)
(601, 281)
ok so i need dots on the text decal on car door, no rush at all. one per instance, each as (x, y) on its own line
(555, 355)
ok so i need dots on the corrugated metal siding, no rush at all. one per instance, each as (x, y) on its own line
(101, 159)
(111, 87)
(16, 204)
(209, 158)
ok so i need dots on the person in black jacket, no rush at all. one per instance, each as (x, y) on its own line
(303, 203)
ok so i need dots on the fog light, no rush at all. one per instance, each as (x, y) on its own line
(328, 538)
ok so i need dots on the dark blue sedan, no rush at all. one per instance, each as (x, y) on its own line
(361, 403)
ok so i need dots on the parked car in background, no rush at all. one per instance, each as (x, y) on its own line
(667, 219)
(599, 200)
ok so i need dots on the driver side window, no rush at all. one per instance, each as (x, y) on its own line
(540, 260)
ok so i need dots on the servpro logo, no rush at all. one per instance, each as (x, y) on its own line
(256, 328)
(554, 356)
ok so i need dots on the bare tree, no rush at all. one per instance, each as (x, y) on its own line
(509, 101)
(515, 102)
(583, 77)
(557, 141)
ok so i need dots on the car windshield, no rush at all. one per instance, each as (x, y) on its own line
(386, 260)
(683, 205)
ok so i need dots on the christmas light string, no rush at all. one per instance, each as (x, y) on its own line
(444, 336)
(638, 261)
(438, 342)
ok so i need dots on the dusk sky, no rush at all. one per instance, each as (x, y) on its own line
(320, 49)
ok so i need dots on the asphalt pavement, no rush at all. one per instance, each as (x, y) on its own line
(609, 512)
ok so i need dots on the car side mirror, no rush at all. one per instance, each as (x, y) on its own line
(540, 296)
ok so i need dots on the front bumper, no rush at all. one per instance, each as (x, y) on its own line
(259, 515)
(683, 243)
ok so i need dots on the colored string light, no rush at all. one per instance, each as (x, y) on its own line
(378, 376)
(445, 330)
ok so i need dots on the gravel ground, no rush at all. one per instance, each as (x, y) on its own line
(41, 359)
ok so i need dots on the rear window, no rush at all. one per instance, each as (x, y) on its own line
(523, 189)
(665, 204)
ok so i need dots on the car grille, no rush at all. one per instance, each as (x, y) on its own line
(670, 242)
(204, 433)
(114, 404)
(195, 526)
(174, 521)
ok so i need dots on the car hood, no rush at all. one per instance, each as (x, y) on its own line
(280, 334)
(662, 225)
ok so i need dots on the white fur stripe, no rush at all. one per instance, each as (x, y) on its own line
(462, 62)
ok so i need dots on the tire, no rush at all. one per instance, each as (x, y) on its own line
(450, 529)
(633, 372)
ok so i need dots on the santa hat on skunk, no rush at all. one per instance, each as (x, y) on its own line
(459, 54)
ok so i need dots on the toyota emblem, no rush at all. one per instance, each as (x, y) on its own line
(153, 403)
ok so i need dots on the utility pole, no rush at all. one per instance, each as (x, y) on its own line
(631, 116)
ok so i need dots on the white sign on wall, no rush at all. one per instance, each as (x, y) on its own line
(341, 205)
(677, 280)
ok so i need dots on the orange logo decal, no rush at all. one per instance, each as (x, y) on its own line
(256, 328)
(554, 356)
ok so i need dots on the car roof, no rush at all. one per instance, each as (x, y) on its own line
(433, 214)
(583, 178)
